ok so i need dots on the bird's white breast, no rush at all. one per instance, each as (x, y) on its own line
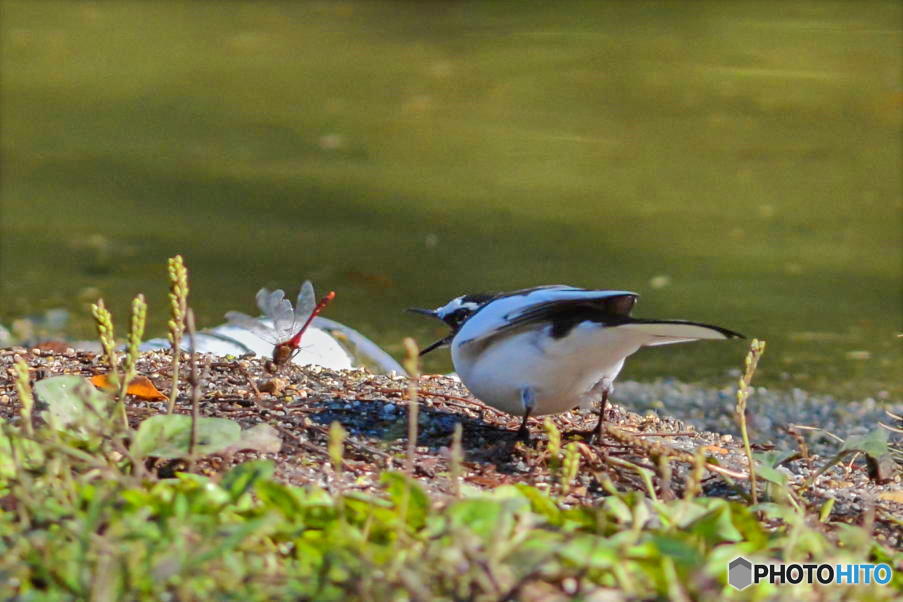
(561, 372)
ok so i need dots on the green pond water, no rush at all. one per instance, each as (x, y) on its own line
(737, 163)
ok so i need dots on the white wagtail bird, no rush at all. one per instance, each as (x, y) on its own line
(550, 349)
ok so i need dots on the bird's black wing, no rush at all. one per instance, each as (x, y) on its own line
(564, 315)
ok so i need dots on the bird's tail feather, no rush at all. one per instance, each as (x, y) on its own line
(665, 332)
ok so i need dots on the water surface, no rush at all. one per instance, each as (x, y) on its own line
(732, 162)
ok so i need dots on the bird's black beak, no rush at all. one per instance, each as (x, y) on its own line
(437, 344)
(424, 312)
(441, 342)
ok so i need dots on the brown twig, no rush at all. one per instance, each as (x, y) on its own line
(663, 434)
(412, 366)
(469, 402)
(360, 446)
(306, 445)
(251, 383)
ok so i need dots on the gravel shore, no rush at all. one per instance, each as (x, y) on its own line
(769, 412)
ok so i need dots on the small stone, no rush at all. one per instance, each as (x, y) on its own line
(727, 438)
(274, 386)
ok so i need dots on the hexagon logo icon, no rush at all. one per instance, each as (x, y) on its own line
(739, 572)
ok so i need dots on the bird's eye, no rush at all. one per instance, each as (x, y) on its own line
(461, 315)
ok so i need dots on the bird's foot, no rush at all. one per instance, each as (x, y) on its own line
(594, 435)
(590, 437)
(528, 399)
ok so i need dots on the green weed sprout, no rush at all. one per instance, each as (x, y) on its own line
(130, 366)
(136, 331)
(756, 349)
(25, 396)
(336, 447)
(553, 447)
(104, 322)
(178, 305)
(570, 466)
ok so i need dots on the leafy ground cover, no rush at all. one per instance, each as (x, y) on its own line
(343, 508)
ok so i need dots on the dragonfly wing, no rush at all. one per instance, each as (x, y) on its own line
(267, 300)
(252, 325)
(275, 306)
(307, 301)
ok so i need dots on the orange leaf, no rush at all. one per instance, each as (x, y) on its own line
(714, 449)
(141, 387)
(101, 381)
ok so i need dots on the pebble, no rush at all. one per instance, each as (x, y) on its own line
(768, 411)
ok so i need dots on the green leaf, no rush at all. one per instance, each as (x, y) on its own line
(618, 509)
(205, 496)
(874, 443)
(771, 475)
(407, 495)
(169, 436)
(716, 526)
(590, 551)
(479, 515)
(785, 513)
(541, 503)
(72, 400)
(678, 549)
(773, 458)
(30, 453)
(242, 478)
(279, 496)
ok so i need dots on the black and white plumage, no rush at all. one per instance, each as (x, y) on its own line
(551, 349)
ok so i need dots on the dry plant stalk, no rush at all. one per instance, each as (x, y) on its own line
(665, 474)
(178, 306)
(457, 457)
(195, 389)
(693, 486)
(756, 349)
(653, 449)
(411, 364)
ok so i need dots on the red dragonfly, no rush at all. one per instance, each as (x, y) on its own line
(289, 324)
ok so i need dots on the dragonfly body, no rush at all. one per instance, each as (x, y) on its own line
(289, 324)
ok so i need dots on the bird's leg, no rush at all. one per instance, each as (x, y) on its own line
(603, 387)
(528, 399)
(597, 432)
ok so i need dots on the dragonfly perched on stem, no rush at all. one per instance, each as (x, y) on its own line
(289, 324)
